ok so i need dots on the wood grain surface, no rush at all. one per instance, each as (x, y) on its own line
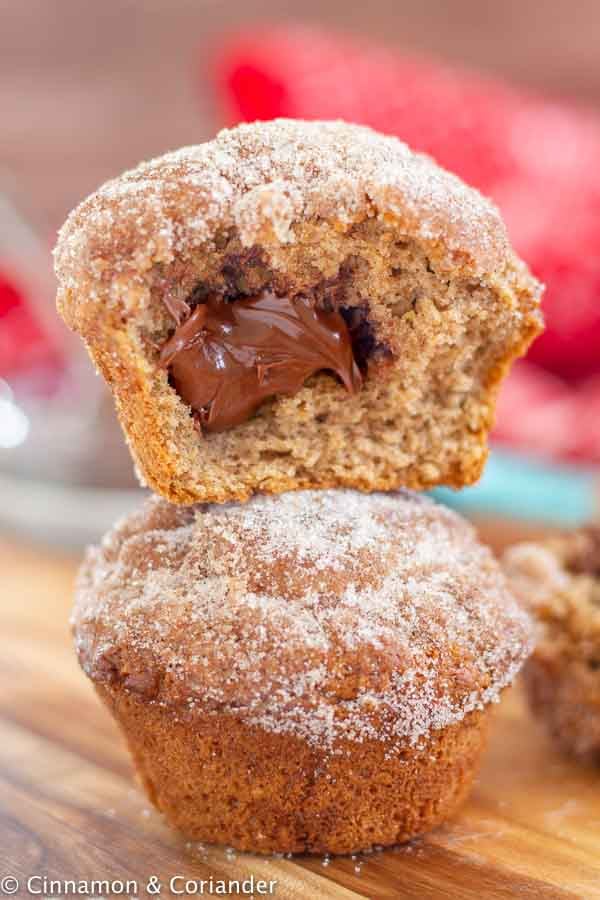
(69, 807)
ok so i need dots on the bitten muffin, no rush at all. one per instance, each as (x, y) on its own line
(297, 305)
(306, 672)
(559, 580)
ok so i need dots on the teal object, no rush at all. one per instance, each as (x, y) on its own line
(520, 487)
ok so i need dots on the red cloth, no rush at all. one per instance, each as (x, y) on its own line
(539, 413)
(23, 343)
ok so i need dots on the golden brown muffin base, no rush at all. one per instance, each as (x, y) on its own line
(421, 418)
(219, 780)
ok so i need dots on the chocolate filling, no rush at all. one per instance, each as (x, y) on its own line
(362, 337)
(225, 358)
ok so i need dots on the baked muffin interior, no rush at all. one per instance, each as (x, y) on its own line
(427, 348)
(371, 282)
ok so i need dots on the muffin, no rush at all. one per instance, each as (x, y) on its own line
(559, 580)
(297, 305)
(309, 672)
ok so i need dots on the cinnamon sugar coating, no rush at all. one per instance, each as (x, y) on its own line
(559, 581)
(267, 176)
(348, 217)
(324, 615)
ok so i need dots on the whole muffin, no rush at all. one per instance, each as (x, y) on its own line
(559, 580)
(297, 305)
(305, 672)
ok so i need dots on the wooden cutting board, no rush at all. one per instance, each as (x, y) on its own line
(69, 808)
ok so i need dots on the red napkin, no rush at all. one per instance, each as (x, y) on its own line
(539, 413)
(538, 159)
(23, 343)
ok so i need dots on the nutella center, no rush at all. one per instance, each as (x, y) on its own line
(227, 357)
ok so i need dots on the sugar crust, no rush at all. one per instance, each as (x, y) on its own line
(327, 615)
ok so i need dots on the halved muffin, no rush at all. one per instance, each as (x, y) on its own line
(295, 305)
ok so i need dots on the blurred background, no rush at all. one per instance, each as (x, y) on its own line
(507, 95)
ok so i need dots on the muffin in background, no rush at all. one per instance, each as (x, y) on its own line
(559, 581)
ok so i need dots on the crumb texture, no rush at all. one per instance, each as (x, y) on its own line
(418, 263)
(559, 581)
(325, 616)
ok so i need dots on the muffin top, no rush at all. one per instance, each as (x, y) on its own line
(326, 615)
(263, 178)
(559, 580)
